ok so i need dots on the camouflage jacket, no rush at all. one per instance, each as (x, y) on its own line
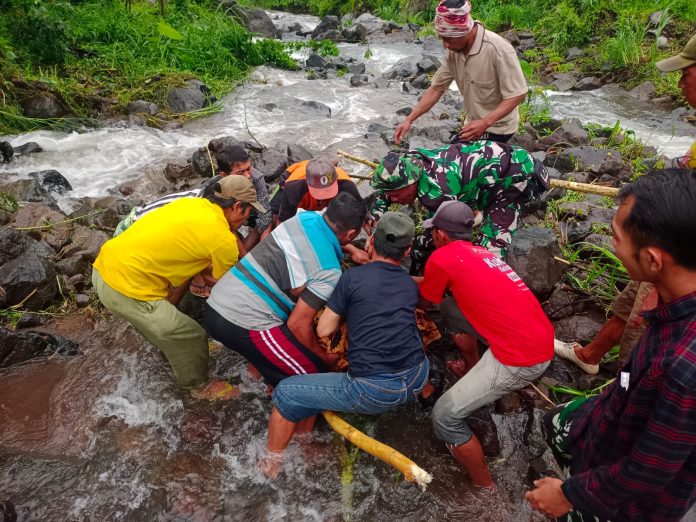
(472, 172)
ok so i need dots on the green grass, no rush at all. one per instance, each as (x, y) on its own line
(92, 51)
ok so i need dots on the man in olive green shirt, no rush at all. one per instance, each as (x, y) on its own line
(487, 72)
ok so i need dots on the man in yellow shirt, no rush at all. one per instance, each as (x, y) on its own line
(135, 271)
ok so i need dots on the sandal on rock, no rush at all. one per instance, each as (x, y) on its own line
(567, 351)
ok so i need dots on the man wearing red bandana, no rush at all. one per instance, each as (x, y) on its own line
(487, 72)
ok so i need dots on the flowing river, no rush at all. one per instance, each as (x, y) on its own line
(107, 435)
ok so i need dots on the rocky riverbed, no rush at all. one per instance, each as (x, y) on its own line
(92, 425)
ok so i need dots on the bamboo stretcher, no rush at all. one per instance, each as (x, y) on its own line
(555, 183)
(385, 453)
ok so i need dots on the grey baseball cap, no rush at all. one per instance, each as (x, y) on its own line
(452, 216)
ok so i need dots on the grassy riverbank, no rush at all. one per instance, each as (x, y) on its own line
(616, 35)
(96, 56)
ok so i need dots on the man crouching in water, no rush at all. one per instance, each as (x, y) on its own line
(387, 365)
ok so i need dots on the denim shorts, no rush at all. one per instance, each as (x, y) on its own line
(302, 396)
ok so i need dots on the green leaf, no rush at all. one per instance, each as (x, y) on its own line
(167, 30)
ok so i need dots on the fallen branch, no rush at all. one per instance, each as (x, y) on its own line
(383, 452)
(542, 394)
(555, 183)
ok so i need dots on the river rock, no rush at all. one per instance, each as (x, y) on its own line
(141, 107)
(297, 153)
(194, 96)
(356, 68)
(563, 303)
(29, 147)
(410, 89)
(82, 300)
(314, 107)
(655, 18)
(71, 266)
(372, 23)
(86, 243)
(315, 61)
(37, 216)
(564, 81)
(590, 159)
(574, 53)
(17, 347)
(404, 69)
(579, 328)
(175, 172)
(576, 231)
(359, 80)
(600, 240)
(571, 132)
(6, 152)
(574, 209)
(589, 83)
(355, 33)
(53, 181)
(483, 426)
(643, 92)
(601, 215)
(426, 65)
(381, 83)
(201, 163)
(258, 22)
(662, 43)
(42, 105)
(272, 163)
(328, 23)
(421, 82)
(531, 255)
(31, 278)
(29, 190)
(14, 243)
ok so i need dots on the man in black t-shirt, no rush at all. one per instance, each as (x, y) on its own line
(387, 365)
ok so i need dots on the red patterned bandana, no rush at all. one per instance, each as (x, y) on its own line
(452, 18)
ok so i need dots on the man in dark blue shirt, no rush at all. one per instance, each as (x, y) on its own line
(387, 365)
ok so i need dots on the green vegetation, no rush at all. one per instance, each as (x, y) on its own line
(95, 57)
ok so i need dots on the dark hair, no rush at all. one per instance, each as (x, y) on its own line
(346, 212)
(388, 250)
(664, 213)
(227, 157)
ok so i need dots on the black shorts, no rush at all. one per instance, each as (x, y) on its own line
(275, 352)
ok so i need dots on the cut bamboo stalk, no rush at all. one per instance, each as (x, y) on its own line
(555, 183)
(385, 453)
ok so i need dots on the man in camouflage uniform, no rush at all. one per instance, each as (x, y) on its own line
(492, 178)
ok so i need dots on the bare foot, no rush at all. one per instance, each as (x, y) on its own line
(457, 367)
(216, 390)
(272, 464)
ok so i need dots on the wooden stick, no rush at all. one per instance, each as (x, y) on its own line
(542, 394)
(556, 183)
(383, 452)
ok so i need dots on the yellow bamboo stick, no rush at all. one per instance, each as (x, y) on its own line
(385, 453)
(556, 183)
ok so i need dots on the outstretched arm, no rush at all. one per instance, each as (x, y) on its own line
(427, 101)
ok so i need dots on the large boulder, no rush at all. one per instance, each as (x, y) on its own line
(193, 96)
(29, 190)
(531, 255)
(258, 22)
(44, 223)
(404, 69)
(141, 107)
(29, 280)
(6, 152)
(14, 243)
(421, 82)
(589, 83)
(328, 23)
(272, 163)
(564, 81)
(17, 347)
(372, 23)
(570, 133)
(590, 159)
(297, 153)
(359, 80)
(315, 61)
(28, 148)
(314, 107)
(53, 181)
(579, 328)
(42, 105)
(355, 33)
(643, 92)
(86, 243)
(203, 163)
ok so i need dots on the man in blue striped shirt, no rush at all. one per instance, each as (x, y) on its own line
(265, 306)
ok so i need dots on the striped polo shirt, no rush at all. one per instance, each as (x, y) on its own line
(302, 252)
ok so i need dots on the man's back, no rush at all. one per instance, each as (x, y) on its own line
(257, 293)
(167, 246)
(494, 299)
(379, 300)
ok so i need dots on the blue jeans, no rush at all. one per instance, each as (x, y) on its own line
(302, 396)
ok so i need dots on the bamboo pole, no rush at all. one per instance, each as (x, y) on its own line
(555, 183)
(383, 452)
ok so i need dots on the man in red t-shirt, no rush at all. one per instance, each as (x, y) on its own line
(491, 304)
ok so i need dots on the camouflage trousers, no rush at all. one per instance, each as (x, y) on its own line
(501, 211)
(556, 426)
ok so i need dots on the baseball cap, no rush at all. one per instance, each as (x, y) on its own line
(452, 216)
(239, 188)
(322, 179)
(395, 228)
(681, 61)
